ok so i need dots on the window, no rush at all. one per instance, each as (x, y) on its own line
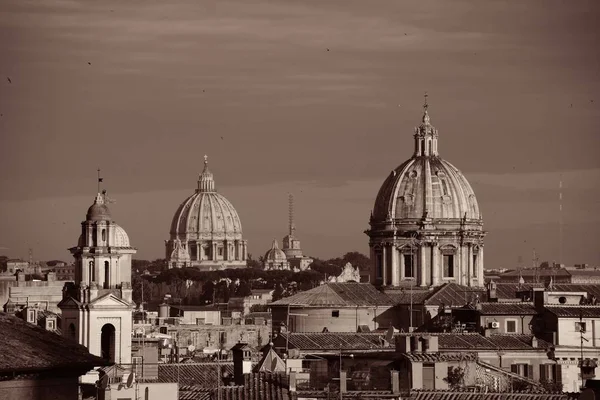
(475, 265)
(511, 326)
(335, 313)
(408, 266)
(220, 251)
(580, 327)
(206, 251)
(31, 316)
(448, 265)
(51, 325)
(222, 337)
(104, 235)
(200, 321)
(525, 370)
(379, 261)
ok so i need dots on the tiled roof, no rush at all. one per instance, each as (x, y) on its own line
(475, 341)
(335, 341)
(510, 290)
(440, 357)
(539, 272)
(195, 308)
(575, 311)
(27, 347)
(403, 296)
(199, 375)
(465, 395)
(452, 295)
(193, 393)
(258, 386)
(348, 294)
(524, 308)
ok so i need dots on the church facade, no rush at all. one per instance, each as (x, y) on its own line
(97, 307)
(426, 228)
(206, 231)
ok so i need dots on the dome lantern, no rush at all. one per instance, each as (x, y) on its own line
(426, 136)
(206, 182)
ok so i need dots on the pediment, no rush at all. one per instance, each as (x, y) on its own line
(69, 303)
(109, 300)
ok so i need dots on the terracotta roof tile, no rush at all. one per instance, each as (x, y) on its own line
(258, 386)
(335, 341)
(464, 395)
(347, 294)
(440, 357)
(199, 375)
(27, 347)
(475, 341)
(523, 308)
(575, 311)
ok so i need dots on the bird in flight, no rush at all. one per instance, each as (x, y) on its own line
(9, 81)
(89, 63)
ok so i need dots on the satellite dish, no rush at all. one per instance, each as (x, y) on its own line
(103, 382)
(130, 380)
(389, 336)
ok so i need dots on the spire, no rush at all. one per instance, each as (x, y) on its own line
(206, 182)
(426, 135)
(425, 114)
(275, 245)
(291, 226)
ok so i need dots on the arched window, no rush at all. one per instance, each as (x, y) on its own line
(103, 235)
(106, 274)
(107, 342)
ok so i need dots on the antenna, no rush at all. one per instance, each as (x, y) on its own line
(560, 222)
(30, 257)
(535, 267)
(292, 228)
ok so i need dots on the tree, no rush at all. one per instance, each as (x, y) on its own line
(252, 263)
(455, 378)
(278, 292)
(243, 289)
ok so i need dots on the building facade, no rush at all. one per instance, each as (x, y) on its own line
(97, 307)
(275, 258)
(206, 231)
(426, 225)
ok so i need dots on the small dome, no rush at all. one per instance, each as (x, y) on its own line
(275, 254)
(121, 237)
(99, 210)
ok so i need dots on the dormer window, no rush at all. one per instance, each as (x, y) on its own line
(580, 327)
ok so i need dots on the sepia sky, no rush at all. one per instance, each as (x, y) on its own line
(317, 98)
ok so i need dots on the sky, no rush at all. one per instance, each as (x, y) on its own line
(316, 98)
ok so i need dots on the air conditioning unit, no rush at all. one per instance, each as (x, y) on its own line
(495, 325)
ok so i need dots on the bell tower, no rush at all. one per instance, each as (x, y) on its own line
(97, 307)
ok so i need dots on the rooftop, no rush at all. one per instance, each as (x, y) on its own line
(198, 375)
(470, 395)
(195, 308)
(574, 311)
(348, 294)
(258, 386)
(448, 294)
(334, 341)
(521, 308)
(28, 348)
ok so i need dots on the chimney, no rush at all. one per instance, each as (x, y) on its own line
(343, 382)
(292, 381)
(395, 382)
(540, 298)
(491, 292)
(51, 276)
(534, 342)
(20, 276)
(242, 362)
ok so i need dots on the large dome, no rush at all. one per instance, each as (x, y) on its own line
(426, 226)
(426, 184)
(204, 215)
(208, 228)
